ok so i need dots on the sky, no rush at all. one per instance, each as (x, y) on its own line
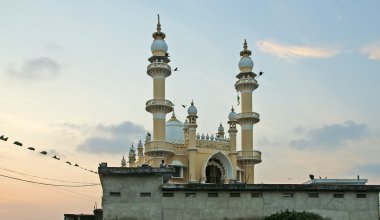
(73, 83)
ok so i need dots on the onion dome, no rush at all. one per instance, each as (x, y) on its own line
(140, 145)
(159, 46)
(207, 137)
(192, 110)
(232, 116)
(203, 136)
(212, 137)
(198, 136)
(220, 129)
(123, 162)
(245, 63)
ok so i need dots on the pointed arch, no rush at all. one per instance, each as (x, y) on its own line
(227, 165)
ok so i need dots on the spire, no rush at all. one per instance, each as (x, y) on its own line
(245, 50)
(158, 24)
(158, 34)
(232, 109)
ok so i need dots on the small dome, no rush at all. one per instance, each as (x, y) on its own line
(131, 150)
(198, 136)
(192, 110)
(159, 45)
(212, 137)
(221, 129)
(140, 145)
(232, 116)
(245, 64)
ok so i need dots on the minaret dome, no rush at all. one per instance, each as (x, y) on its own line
(192, 110)
(245, 63)
(159, 46)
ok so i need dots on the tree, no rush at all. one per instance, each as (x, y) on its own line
(294, 215)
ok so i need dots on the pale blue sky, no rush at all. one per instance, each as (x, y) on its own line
(73, 74)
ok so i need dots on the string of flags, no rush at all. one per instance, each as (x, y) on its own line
(45, 153)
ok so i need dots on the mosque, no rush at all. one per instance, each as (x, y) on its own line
(178, 173)
(198, 158)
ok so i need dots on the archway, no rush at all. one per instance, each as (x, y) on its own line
(217, 169)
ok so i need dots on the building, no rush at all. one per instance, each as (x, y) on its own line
(198, 158)
(180, 174)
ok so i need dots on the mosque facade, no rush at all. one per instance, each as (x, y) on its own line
(198, 158)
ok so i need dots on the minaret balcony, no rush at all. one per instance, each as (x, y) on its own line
(246, 84)
(159, 69)
(249, 157)
(159, 106)
(154, 148)
(248, 118)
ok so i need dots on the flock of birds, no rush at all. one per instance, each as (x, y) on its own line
(3, 138)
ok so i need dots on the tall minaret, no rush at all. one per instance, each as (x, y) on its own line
(246, 119)
(158, 106)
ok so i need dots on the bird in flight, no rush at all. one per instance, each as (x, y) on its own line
(31, 148)
(43, 152)
(17, 143)
(176, 69)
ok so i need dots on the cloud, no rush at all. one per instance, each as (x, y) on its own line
(112, 138)
(368, 169)
(331, 136)
(38, 69)
(372, 51)
(295, 51)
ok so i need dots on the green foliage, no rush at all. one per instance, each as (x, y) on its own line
(294, 215)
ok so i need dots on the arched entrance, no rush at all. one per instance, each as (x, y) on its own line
(214, 171)
(217, 169)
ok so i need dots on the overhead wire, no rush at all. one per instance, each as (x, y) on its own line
(49, 184)
(45, 178)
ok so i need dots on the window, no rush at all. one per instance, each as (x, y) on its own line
(114, 193)
(191, 195)
(145, 194)
(213, 195)
(167, 194)
(288, 195)
(257, 195)
(313, 195)
(338, 195)
(361, 195)
(178, 172)
(234, 194)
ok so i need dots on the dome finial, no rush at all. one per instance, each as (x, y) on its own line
(245, 50)
(232, 109)
(158, 34)
(158, 24)
(192, 102)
